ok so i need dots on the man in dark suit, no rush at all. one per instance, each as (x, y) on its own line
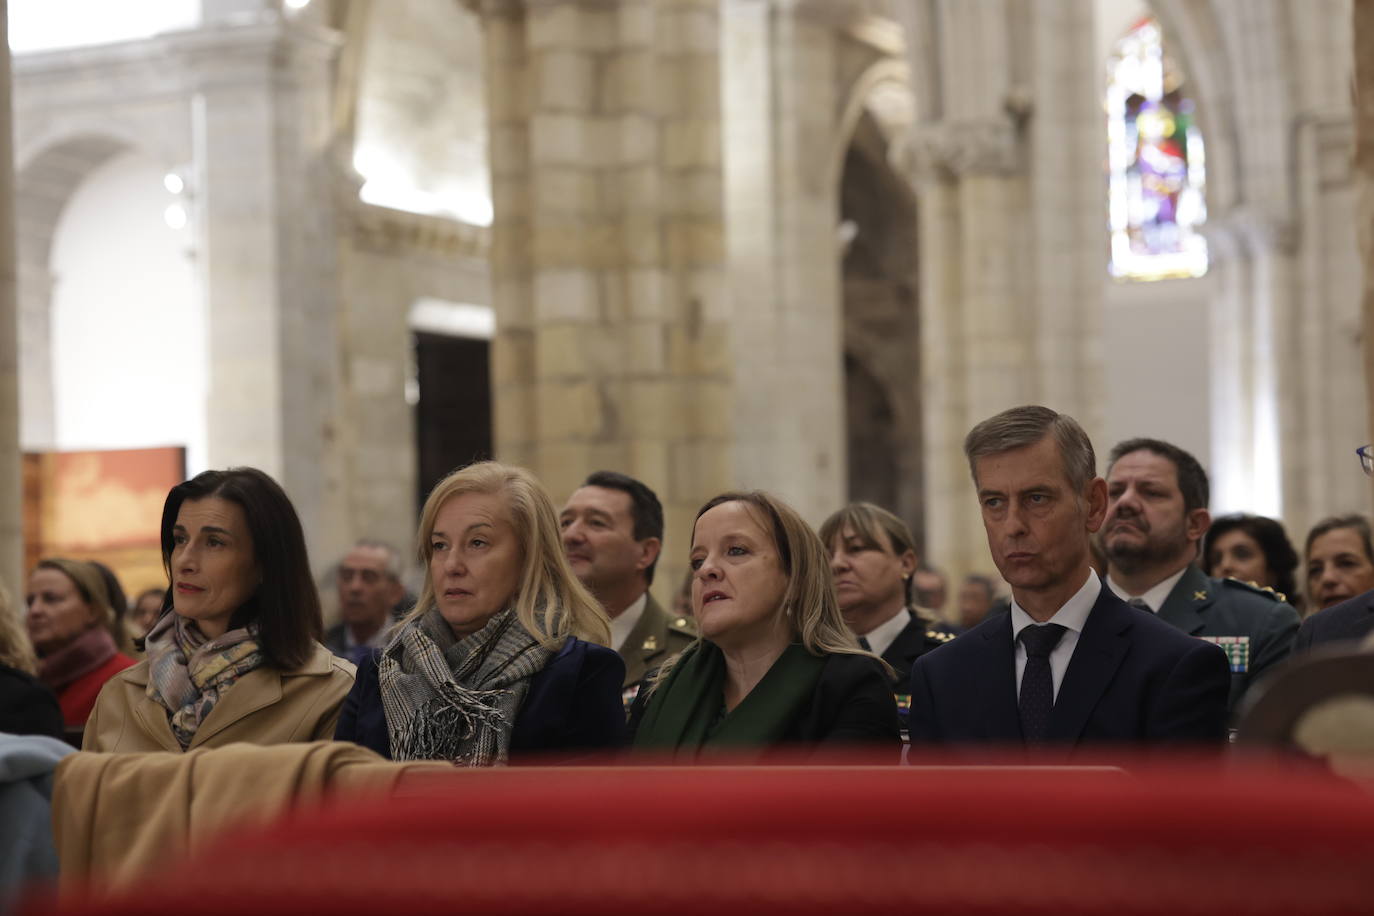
(1070, 663)
(1349, 621)
(369, 582)
(612, 535)
(1157, 496)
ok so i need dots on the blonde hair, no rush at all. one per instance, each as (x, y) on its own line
(90, 585)
(866, 521)
(15, 649)
(809, 605)
(550, 603)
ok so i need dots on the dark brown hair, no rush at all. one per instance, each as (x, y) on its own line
(286, 606)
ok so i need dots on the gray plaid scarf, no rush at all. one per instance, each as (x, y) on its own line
(457, 699)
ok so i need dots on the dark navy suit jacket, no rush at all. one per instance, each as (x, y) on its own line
(573, 707)
(1132, 678)
(1349, 620)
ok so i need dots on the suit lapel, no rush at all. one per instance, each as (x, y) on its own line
(904, 650)
(999, 714)
(256, 689)
(1101, 647)
(1187, 601)
(650, 630)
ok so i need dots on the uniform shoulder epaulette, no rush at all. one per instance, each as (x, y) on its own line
(684, 625)
(1254, 588)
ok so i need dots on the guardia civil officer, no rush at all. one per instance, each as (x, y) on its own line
(1157, 515)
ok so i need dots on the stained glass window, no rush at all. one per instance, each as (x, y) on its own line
(1156, 160)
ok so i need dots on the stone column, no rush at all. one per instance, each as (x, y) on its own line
(612, 341)
(781, 110)
(1364, 182)
(11, 509)
(264, 209)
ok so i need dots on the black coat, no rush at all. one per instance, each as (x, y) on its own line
(1132, 678)
(916, 639)
(573, 707)
(1345, 622)
(27, 707)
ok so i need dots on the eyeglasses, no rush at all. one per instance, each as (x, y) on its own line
(1366, 453)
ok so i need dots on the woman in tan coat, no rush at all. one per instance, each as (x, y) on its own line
(235, 653)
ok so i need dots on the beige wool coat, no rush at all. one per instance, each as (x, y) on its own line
(265, 706)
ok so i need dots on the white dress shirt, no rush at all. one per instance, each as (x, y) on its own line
(881, 637)
(1072, 616)
(1155, 596)
(625, 622)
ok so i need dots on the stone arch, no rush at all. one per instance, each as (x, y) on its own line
(45, 179)
(880, 319)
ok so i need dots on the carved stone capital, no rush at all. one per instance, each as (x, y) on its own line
(955, 149)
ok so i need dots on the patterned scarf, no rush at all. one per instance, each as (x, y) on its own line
(76, 659)
(188, 673)
(457, 699)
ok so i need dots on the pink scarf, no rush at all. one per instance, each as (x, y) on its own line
(77, 658)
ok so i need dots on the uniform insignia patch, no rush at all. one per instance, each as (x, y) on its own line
(650, 644)
(1237, 649)
(627, 696)
(941, 637)
(903, 702)
(1199, 596)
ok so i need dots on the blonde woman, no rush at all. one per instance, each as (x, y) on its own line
(26, 706)
(71, 623)
(775, 664)
(504, 657)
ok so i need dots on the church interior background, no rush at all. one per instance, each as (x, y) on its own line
(801, 245)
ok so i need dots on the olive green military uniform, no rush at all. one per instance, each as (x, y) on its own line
(656, 637)
(1253, 625)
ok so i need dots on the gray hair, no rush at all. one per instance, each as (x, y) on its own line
(393, 556)
(1021, 427)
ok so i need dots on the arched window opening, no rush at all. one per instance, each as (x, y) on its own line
(1156, 162)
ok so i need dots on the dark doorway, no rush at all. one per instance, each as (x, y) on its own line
(453, 413)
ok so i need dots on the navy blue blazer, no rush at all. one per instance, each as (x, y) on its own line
(1350, 620)
(573, 707)
(1132, 678)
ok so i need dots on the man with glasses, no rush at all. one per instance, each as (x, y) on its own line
(1350, 620)
(369, 581)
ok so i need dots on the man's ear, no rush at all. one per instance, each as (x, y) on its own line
(649, 549)
(1096, 498)
(1199, 520)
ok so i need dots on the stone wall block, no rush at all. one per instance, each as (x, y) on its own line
(563, 191)
(562, 467)
(689, 28)
(630, 140)
(695, 243)
(642, 241)
(508, 144)
(581, 27)
(651, 409)
(646, 349)
(634, 188)
(565, 295)
(566, 81)
(691, 143)
(559, 352)
(512, 357)
(649, 458)
(630, 82)
(646, 294)
(562, 139)
(576, 243)
(568, 410)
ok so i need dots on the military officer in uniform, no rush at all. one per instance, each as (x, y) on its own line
(1157, 515)
(873, 559)
(612, 530)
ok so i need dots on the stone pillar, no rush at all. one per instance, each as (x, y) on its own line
(612, 347)
(781, 110)
(264, 209)
(11, 508)
(1364, 183)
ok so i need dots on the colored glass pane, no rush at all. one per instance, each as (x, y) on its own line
(1156, 161)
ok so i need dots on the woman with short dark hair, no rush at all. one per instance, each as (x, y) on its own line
(236, 655)
(1254, 549)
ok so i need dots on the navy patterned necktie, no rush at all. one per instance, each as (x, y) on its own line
(1037, 684)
